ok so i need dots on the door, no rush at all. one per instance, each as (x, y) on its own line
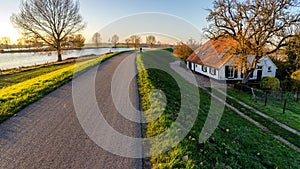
(259, 75)
(190, 65)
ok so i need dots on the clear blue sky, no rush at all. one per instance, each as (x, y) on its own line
(100, 13)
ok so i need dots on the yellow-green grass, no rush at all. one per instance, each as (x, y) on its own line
(236, 143)
(15, 97)
(15, 76)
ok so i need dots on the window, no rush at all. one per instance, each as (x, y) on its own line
(270, 69)
(259, 67)
(230, 72)
(213, 71)
(204, 68)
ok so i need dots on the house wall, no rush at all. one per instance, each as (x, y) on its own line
(198, 69)
(266, 70)
(220, 73)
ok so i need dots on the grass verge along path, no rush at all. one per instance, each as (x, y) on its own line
(236, 143)
(16, 97)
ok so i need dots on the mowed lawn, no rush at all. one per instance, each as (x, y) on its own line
(291, 117)
(236, 143)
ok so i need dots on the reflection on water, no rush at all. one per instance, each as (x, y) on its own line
(13, 60)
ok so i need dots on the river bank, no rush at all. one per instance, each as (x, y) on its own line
(19, 59)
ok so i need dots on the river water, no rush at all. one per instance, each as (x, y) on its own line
(14, 60)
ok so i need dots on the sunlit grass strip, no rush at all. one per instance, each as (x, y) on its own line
(144, 84)
(16, 97)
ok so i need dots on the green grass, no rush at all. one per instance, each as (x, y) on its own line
(236, 143)
(15, 76)
(17, 96)
(274, 128)
(290, 118)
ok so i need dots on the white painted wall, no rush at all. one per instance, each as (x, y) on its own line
(266, 63)
(220, 73)
(198, 69)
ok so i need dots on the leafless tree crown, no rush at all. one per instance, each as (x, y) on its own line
(52, 21)
(260, 27)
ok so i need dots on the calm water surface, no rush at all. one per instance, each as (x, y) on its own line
(14, 60)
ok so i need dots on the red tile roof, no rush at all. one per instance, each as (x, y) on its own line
(214, 53)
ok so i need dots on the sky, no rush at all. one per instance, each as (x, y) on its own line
(171, 16)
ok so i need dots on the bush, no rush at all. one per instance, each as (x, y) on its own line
(270, 83)
(296, 75)
(295, 85)
(169, 50)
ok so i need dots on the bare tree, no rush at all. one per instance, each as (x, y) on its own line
(115, 40)
(97, 39)
(135, 40)
(127, 41)
(259, 28)
(192, 43)
(151, 40)
(52, 21)
(159, 43)
(5, 42)
(75, 41)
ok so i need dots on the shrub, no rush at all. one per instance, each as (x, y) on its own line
(296, 75)
(270, 83)
(169, 50)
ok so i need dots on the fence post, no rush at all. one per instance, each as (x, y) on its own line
(266, 98)
(284, 106)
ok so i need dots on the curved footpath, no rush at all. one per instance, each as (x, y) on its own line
(47, 134)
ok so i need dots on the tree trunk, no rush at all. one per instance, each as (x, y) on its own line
(59, 57)
(245, 79)
(247, 76)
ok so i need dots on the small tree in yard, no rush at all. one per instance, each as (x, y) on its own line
(51, 21)
(289, 64)
(182, 50)
(259, 27)
(270, 83)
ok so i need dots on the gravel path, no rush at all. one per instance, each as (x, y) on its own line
(47, 134)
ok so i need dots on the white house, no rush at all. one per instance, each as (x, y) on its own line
(212, 60)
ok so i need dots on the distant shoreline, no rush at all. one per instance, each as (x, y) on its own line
(45, 50)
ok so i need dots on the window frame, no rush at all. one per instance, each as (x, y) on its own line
(269, 68)
(204, 68)
(213, 71)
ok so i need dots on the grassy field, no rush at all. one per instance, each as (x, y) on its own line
(290, 118)
(20, 89)
(236, 143)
